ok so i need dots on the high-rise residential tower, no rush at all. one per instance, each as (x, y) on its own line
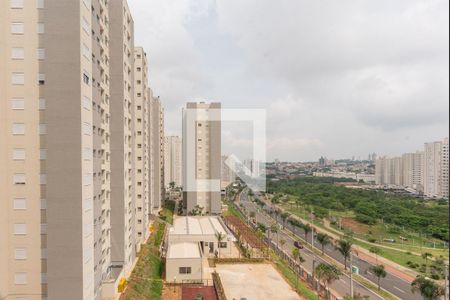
(172, 161)
(157, 153)
(202, 157)
(123, 244)
(141, 138)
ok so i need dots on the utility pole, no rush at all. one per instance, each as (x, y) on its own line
(446, 280)
(351, 274)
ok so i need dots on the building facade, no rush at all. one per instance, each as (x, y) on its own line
(157, 153)
(76, 108)
(202, 157)
(172, 161)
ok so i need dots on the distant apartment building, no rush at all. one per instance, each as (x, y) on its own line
(436, 180)
(228, 174)
(173, 160)
(424, 171)
(70, 116)
(202, 157)
(157, 153)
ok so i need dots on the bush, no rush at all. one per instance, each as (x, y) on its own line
(371, 240)
(435, 276)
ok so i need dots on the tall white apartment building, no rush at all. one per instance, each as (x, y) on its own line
(445, 166)
(157, 153)
(141, 137)
(71, 115)
(436, 180)
(123, 242)
(413, 167)
(202, 157)
(172, 161)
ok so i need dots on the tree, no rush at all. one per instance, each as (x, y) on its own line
(427, 288)
(297, 258)
(345, 248)
(425, 256)
(376, 251)
(284, 217)
(306, 229)
(327, 274)
(282, 242)
(323, 239)
(274, 229)
(220, 237)
(379, 272)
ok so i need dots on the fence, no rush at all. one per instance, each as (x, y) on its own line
(220, 292)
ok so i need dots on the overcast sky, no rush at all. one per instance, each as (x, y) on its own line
(338, 78)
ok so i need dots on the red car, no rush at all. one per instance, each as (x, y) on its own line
(298, 245)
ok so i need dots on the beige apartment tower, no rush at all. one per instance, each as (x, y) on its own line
(172, 161)
(123, 243)
(157, 188)
(202, 157)
(141, 167)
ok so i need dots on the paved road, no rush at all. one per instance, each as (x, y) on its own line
(393, 284)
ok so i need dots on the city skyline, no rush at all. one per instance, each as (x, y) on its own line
(335, 81)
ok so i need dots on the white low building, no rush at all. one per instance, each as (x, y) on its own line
(190, 241)
(184, 263)
(203, 231)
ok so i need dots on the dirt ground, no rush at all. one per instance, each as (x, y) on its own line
(355, 226)
(254, 282)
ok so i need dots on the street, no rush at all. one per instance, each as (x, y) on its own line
(391, 283)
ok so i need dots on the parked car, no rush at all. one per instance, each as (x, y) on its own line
(298, 245)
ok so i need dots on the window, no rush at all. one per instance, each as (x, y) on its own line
(86, 77)
(19, 154)
(43, 203)
(19, 178)
(87, 154)
(17, 28)
(86, 52)
(42, 129)
(185, 270)
(43, 179)
(42, 104)
(87, 129)
(43, 228)
(222, 244)
(20, 203)
(20, 278)
(43, 278)
(20, 228)
(40, 53)
(43, 154)
(16, 3)
(44, 253)
(18, 104)
(40, 4)
(20, 253)
(18, 128)
(87, 103)
(17, 53)
(18, 78)
(85, 25)
(41, 79)
(139, 69)
(40, 28)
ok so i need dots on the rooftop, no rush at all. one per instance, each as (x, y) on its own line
(207, 225)
(183, 250)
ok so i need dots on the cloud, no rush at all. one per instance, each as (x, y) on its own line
(338, 78)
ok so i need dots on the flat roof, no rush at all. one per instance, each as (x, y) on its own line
(183, 250)
(207, 225)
